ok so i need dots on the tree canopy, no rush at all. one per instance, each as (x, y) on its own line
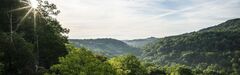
(29, 41)
(79, 61)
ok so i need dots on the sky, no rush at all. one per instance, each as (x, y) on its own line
(135, 19)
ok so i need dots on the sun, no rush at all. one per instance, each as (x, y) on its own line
(34, 3)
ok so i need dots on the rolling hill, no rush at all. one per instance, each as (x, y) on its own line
(218, 45)
(140, 42)
(106, 46)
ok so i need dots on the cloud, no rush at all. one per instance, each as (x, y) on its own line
(130, 19)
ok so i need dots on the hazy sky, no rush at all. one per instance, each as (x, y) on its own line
(131, 19)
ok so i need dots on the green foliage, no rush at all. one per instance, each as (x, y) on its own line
(153, 69)
(1, 68)
(51, 43)
(18, 55)
(1, 64)
(219, 43)
(1, 61)
(214, 70)
(24, 46)
(178, 70)
(127, 65)
(79, 61)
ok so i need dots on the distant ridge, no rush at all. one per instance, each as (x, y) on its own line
(140, 42)
(106, 46)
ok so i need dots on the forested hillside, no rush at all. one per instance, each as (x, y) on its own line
(108, 46)
(217, 45)
(139, 43)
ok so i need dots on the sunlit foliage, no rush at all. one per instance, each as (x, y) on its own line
(79, 61)
(127, 65)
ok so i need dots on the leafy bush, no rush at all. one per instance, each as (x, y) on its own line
(127, 65)
(79, 61)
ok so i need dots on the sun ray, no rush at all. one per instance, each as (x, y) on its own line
(24, 2)
(41, 14)
(35, 22)
(29, 11)
(18, 9)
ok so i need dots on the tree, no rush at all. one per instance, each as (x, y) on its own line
(51, 43)
(1, 64)
(153, 69)
(127, 65)
(1, 68)
(178, 70)
(214, 69)
(79, 61)
(18, 55)
(26, 47)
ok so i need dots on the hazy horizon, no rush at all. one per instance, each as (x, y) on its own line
(137, 19)
(112, 38)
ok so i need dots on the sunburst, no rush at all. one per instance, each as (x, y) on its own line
(32, 5)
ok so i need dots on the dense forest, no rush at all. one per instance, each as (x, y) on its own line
(216, 47)
(32, 42)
